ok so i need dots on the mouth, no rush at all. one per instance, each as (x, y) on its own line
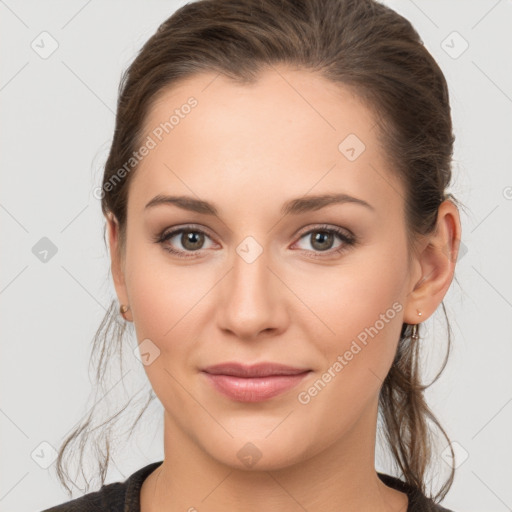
(254, 383)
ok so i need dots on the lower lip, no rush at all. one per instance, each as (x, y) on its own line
(255, 389)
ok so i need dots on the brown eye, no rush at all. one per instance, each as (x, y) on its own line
(322, 240)
(192, 240)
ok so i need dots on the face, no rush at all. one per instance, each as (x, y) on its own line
(271, 275)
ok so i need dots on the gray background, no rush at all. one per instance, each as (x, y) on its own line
(57, 121)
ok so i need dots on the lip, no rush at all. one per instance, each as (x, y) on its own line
(253, 383)
(264, 369)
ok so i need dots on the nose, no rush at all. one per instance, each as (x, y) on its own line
(253, 301)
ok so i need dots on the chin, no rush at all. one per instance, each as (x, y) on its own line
(258, 452)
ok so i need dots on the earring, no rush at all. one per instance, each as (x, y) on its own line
(123, 309)
(414, 333)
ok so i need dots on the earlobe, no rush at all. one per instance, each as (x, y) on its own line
(437, 261)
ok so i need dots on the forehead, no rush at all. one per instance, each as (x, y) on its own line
(280, 99)
(289, 132)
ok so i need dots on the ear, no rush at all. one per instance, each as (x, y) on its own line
(436, 260)
(117, 263)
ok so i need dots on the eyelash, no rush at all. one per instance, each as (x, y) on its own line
(348, 240)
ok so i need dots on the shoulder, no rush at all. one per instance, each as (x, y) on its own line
(113, 497)
(418, 502)
(109, 497)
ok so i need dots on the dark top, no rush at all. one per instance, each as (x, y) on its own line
(125, 496)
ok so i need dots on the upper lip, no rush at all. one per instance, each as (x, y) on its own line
(256, 370)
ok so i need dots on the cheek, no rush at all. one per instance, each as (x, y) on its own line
(165, 305)
(161, 293)
(171, 304)
(365, 322)
(358, 314)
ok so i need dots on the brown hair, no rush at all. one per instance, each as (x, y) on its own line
(360, 44)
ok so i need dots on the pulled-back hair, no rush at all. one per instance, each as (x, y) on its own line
(359, 44)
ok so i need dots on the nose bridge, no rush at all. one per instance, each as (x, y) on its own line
(251, 302)
(250, 275)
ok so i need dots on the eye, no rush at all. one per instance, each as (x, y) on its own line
(190, 238)
(322, 238)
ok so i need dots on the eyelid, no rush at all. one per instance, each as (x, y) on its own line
(326, 227)
(185, 227)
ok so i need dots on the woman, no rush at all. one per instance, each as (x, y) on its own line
(279, 227)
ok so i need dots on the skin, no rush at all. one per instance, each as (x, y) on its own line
(248, 149)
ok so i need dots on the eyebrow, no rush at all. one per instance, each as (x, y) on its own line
(291, 207)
